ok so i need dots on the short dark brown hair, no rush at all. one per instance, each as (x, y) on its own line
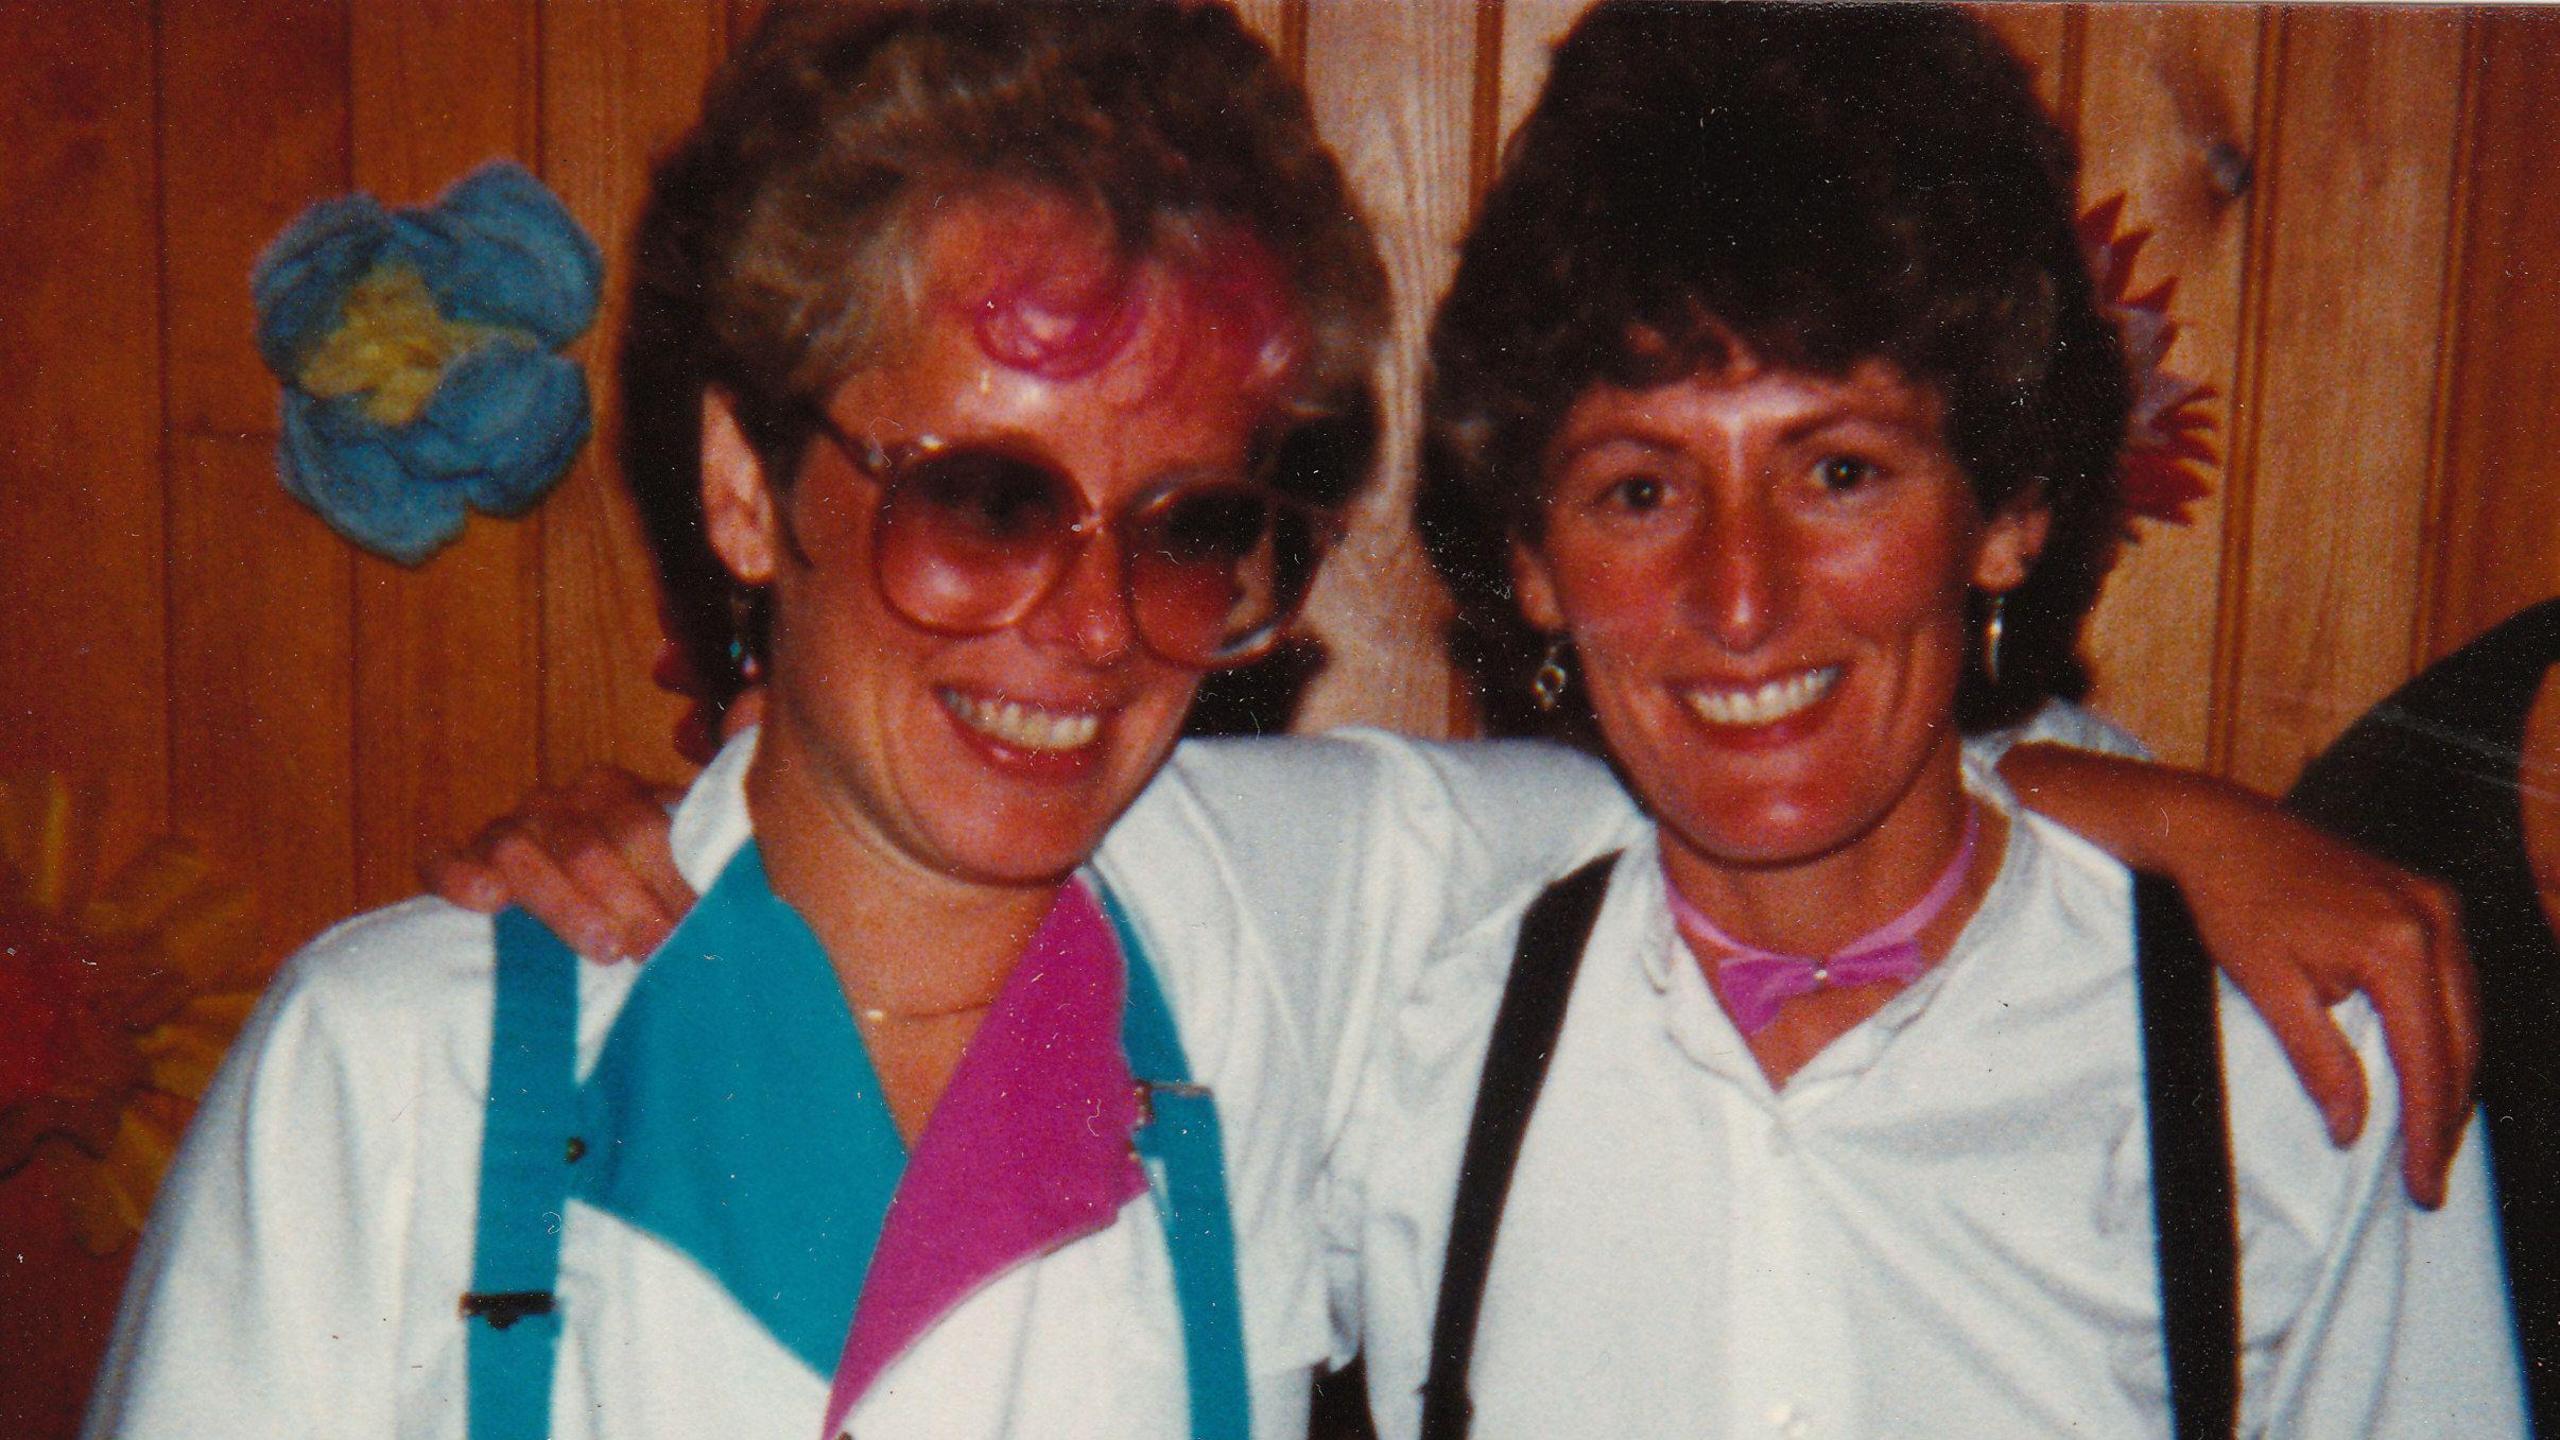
(780, 247)
(1814, 185)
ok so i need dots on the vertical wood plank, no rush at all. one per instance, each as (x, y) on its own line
(83, 625)
(85, 635)
(2341, 394)
(1271, 19)
(447, 654)
(1530, 31)
(1394, 92)
(254, 129)
(2161, 88)
(2498, 541)
(619, 83)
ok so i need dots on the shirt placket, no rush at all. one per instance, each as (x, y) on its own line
(1788, 1360)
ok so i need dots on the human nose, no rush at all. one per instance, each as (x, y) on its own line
(1089, 606)
(1741, 576)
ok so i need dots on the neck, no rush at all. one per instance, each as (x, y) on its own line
(906, 940)
(1816, 904)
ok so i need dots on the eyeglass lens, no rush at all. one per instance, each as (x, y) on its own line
(972, 539)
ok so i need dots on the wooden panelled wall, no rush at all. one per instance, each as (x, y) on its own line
(2356, 203)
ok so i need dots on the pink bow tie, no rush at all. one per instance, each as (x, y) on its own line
(1755, 982)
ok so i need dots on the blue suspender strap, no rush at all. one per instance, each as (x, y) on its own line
(525, 1154)
(1180, 1140)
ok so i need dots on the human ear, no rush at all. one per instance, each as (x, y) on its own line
(1534, 587)
(738, 508)
(2011, 541)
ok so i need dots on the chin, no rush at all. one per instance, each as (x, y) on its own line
(1023, 844)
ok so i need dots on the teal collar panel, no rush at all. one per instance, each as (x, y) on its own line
(737, 1117)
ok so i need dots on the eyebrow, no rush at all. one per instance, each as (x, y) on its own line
(1662, 437)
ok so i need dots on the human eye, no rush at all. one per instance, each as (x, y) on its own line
(1622, 486)
(1843, 474)
(993, 497)
(1637, 494)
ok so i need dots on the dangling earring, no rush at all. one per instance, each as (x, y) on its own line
(742, 625)
(1991, 630)
(1546, 684)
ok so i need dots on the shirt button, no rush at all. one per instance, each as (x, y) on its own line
(1789, 1421)
(1780, 1143)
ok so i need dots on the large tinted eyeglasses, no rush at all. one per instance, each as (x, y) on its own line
(971, 537)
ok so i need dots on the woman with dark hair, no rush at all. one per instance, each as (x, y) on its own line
(1772, 396)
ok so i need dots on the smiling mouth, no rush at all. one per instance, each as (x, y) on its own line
(1023, 727)
(1764, 704)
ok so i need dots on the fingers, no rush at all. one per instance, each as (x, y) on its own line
(2321, 1054)
(591, 861)
(2403, 977)
(2433, 1145)
(462, 878)
(635, 875)
(549, 869)
(2458, 983)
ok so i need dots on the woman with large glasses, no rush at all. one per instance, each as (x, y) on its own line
(1004, 365)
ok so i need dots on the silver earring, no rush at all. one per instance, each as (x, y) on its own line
(1546, 684)
(1991, 631)
(742, 651)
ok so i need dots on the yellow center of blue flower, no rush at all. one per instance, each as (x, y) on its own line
(391, 347)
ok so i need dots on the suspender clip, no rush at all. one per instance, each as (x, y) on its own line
(1148, 1090)
(502, 1308)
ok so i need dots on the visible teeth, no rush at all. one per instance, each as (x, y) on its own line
(1764, 704)
(1024, 727)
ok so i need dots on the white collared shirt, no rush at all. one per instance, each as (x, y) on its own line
(1941, 1226)
(302, 1267)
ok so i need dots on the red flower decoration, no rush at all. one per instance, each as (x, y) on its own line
(118, 994)
(2168, 437)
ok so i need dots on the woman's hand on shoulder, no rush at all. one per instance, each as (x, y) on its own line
(590, 859)
(2299, 920)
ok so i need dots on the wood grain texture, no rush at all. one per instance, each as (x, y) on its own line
(84, 632)
(1530, 30)
(2349, 297)
(447, 655)
(2160, 89)
(1394, 89)
(620, 82)
(261, 685)
(83, 625)
(253, 129)
(2497, 541)
(1275, 22)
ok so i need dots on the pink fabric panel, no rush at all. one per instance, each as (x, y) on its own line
(1027, 1150)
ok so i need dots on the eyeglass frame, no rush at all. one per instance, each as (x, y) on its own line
(885, 464)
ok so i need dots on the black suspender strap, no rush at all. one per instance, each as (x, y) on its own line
(2194, 1219)
(1515, 1066)
(2194, 1214)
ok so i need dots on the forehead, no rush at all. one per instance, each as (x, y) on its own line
(1030, 326)
(1748, 400)
(1045, 286)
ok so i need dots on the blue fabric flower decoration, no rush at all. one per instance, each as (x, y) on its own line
(416, 350)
